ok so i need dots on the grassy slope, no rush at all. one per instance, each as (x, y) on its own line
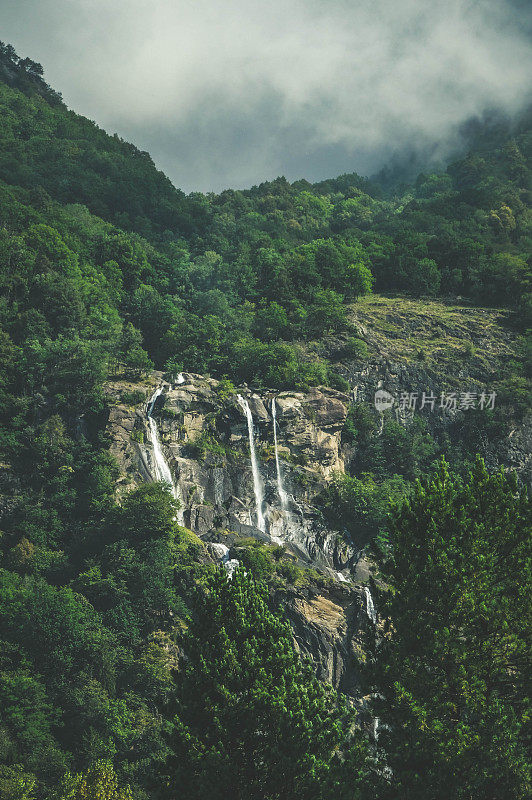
(400, 328)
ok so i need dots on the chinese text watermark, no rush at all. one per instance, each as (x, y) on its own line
(444, 401)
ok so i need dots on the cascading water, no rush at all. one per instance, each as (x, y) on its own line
(229, 564)
(160, 465)
(152, 401)
(280, 489)
(370, 608)
(257, 483)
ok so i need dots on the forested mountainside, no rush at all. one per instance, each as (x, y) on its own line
(229, 346)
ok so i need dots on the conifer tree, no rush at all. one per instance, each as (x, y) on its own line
(453, 667)
(252, 721)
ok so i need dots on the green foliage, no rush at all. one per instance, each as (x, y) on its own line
(393, 449)
(267, 563)
(213, 283)
(251, 720)
(98, 783)
(205, 443)
(133, 398)
(453, 676)
(337, 381)
(355, 348)
(225, 389)
(360, 505)
(15, 784)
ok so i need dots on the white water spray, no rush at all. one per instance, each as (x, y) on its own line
(257, 483)
(222, 552)
(160, 464)
(152, 401)
(370, 608)
(280, 489)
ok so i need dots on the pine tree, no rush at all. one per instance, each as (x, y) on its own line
(453, 667)
(252, 721)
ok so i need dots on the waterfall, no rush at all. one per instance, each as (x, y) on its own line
(282, 494)
(180, 378)
(160, 464)
(152, 401)
(222, 552)
(257, 483)
(370, 608)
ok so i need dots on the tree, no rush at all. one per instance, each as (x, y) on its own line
(361, 279)
(423, 277)
(453, 668)
(98, 783)
(271, 322)
(251, 720)
(15, 784)
(326, 312)
(128, 254)
(51, 251)
(130, 351)
(147, 513)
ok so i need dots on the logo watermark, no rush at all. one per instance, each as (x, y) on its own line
(383, 400)
(445, 401)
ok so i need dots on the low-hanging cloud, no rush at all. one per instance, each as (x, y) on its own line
(233, 92)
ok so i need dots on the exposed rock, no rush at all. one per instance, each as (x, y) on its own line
(329, 629)
(205, 440)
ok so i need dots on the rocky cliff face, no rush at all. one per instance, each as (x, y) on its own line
(204, 435)
(330, 628)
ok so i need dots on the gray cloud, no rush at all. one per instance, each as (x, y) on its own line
(232, 92)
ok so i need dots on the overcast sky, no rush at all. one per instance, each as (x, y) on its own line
(233, 92)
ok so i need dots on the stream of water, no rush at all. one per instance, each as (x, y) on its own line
(229, 564)
(280, 488)
(160, 465)
(257, 482)
(370, 607)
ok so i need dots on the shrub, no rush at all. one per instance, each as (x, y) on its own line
(355, 348)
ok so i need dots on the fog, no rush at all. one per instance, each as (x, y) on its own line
(234, 92)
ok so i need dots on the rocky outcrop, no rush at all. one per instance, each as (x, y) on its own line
(329, 629)
(203, 433)
(312, 425)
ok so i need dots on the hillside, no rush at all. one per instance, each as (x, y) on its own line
(229, 347)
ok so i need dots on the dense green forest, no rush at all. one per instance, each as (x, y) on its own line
(106, 268)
